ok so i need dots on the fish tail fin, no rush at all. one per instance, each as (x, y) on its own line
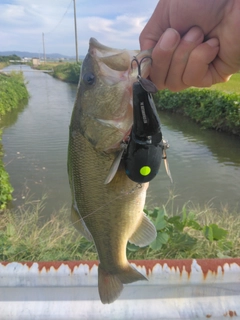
(130, 274)
(110, 286)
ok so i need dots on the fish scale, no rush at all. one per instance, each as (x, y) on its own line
(115, 202)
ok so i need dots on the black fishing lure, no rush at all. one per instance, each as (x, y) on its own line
(143, 155)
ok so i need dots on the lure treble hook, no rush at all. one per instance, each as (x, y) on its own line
(139, 63)
(146, 84)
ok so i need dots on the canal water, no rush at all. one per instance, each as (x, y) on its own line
(205, 164)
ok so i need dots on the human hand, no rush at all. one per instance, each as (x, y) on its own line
(180, 57)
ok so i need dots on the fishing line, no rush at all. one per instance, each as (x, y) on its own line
(138, 186)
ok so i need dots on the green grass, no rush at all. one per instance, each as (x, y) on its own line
(233, 85)
(24, 236)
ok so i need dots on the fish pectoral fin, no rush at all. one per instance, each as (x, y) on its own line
(110, 285)
(79, 224)
(114, 167)
(167, 165)
(145, 233)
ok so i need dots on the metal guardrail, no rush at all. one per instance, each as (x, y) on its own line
(177, 289)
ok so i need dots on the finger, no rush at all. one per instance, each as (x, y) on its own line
(189, 42)
(162, 56)
(199, 71)
(152, 31)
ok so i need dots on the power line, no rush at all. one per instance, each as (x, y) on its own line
(60, 19)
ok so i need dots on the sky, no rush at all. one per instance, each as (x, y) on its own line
(113, 23)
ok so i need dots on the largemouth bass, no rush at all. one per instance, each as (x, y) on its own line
(110, 214)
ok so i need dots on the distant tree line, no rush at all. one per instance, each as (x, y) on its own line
(11, 57)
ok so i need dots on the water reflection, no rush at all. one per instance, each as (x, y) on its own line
(10, 118)
(224, 147)
(205, 164)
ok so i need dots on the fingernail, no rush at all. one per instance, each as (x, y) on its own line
(214, 42)
(169, 39)
(193, 35)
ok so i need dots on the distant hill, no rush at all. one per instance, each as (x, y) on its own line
(25, 54)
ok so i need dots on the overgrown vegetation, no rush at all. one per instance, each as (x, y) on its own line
(212, 109)
(12, 92)
(5, 186)
(192, 233)
(67, 72)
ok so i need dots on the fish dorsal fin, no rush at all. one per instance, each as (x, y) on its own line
(79, 224)
(145, 233)
(114, 166)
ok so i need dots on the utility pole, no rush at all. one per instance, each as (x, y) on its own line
(44, 54)
(75, 26)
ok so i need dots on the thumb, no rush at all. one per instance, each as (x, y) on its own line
(150, 35)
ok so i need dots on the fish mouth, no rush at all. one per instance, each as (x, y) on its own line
(120, 60)
(114, 64)
(115, 59)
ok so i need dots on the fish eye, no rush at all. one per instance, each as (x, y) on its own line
(89, 78)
